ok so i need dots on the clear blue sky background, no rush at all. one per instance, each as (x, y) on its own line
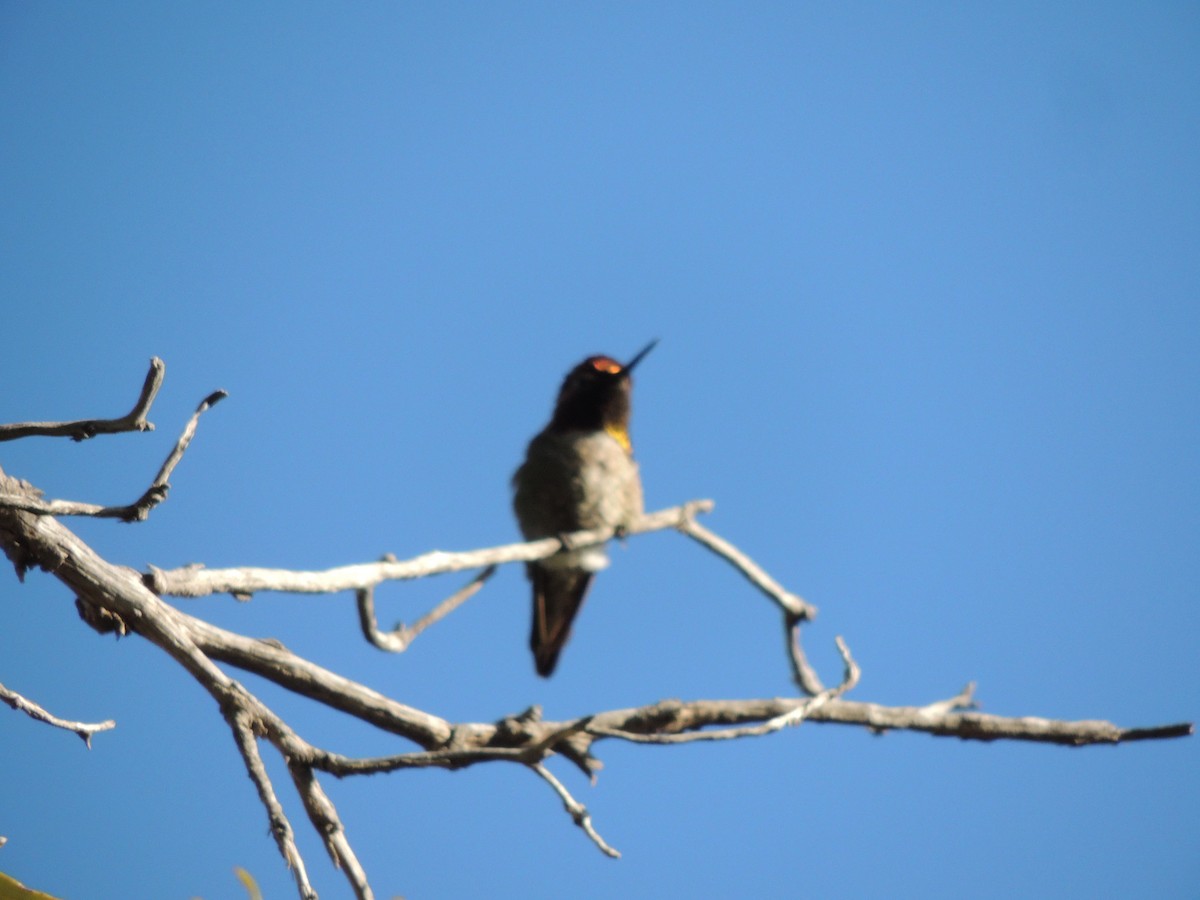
(927, 279)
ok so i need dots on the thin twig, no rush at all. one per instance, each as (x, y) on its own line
(964, 699)
(84, 729)
(134, 420)
(803, 673)
(325, 819)
(134, 512)
(246, 714)
(792, 604)
(399, 639)
(176, 454)
(281, 828)
(851, 672)
(577, 810)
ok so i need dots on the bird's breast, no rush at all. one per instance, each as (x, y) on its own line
(575, 481)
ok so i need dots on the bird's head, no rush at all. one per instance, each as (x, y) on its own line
(595, 396)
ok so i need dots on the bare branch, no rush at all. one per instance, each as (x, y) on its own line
(671, 716)
(528, 745)
(398, 640)
(281, 828)
(176, 454)
(134, 420)
(803, 673)
(109, 593)
(794, 716)
(792, 605)
(84, 729)
(341, 766)
(851, 672)
(197, 581)
(279, 665)
(577, 810)
(324, 818)
(47, 541)
(30, 500)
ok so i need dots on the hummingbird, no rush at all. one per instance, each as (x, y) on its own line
(579, 473)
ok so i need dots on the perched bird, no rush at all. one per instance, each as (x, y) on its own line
(578, 474)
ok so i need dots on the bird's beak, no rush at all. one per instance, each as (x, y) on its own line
(641, 355)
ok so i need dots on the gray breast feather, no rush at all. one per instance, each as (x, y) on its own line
(575, 481)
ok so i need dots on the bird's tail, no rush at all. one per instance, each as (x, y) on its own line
(557, 596)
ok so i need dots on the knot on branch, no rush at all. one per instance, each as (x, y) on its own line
(663, 716)
(537, 739)
(139, 511)
(103, 621)
(519, 730)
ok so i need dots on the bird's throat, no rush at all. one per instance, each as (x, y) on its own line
(619, 434)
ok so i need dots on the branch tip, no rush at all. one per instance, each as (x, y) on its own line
(156, 493)
(578, 812)
(85, 730)
(83, 429)
(213, 399)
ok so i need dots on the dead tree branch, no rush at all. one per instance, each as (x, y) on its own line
(134, 420)
(42, 541)
(578, 812)
(794, 716)
(84, 729)
(112, 597)
(197, 581)
(281, 829)
(803, 673)
(399, 638)
(30, 500)
(792, 605)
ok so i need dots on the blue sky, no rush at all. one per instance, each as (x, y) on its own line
(927, 282)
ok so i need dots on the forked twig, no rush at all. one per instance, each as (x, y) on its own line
(281, 828)
(398, 639)
(138, 510)
(794, 716)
